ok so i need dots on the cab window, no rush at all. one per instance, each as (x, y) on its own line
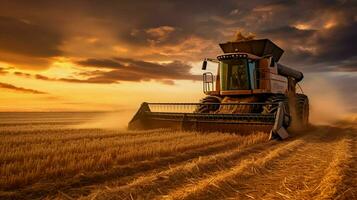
(235, 75)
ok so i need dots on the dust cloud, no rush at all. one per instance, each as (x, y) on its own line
(326, 102)
(109, 120)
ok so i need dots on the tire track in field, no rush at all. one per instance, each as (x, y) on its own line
(187, 175)
(348, 188)
(149, 185)
(213, 182)
(313, 170)
(81, 185)
(310, 172)
(164, 163)
(335, 173)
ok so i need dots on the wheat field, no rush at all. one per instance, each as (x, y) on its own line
(49, 156)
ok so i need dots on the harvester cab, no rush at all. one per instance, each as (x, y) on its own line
(250, 92)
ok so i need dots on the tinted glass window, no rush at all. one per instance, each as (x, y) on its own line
(235, 75)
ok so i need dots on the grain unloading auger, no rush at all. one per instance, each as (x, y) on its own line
(251, 92)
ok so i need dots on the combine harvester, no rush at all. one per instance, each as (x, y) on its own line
(251, 92)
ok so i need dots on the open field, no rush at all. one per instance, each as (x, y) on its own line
(47, 155)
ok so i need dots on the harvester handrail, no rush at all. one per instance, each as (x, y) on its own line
(215, 114)
(193, 104)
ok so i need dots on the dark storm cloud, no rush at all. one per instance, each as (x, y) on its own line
(27, 39)
(338, 44)
(19, 89)
(317, 36)
(187, 17)
(160, 23)
(288, 32)
(105, 63)
(117, 69)
(22, 74)
(325, 38)
(126, 69)
(311, 49)
(322, 51)
(26, 44)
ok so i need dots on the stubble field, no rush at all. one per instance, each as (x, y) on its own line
(55, 156)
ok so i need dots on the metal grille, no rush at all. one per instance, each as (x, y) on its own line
(220, 108)
(220, 118)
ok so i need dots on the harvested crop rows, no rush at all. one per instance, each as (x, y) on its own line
(61, 161)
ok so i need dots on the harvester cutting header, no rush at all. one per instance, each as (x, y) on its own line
(250, 92)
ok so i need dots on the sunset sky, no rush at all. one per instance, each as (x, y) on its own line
(112, 55)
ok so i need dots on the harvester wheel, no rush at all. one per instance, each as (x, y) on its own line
(272, 107)
(302, 110)
(208, 108)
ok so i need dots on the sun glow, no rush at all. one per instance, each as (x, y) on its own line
(303, 26)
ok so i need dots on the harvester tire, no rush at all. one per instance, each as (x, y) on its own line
(208, 108)
(272, 107)
(302, 110)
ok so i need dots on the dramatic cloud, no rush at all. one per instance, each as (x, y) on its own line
(125, 69)
(158, 38)
(26, 44)
(19, 89)
(98, 79)
(118, 69)
(159, 34)
(105, 63)
(22, 74)
(136, 70)
(25, 38)
(316, 35)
